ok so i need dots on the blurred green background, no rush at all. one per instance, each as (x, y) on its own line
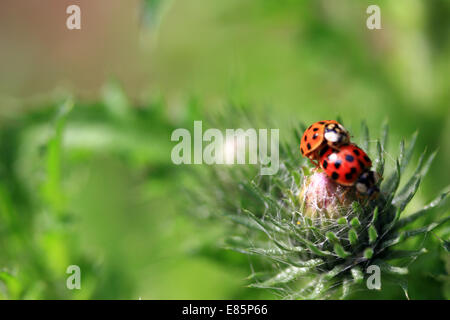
(92, 183)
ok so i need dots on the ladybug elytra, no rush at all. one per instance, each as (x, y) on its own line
(321, 134)
(349, 166)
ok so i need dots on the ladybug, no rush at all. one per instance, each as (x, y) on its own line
(350, 166)
(321, 134)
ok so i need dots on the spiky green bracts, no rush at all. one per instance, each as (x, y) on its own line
(319, 240)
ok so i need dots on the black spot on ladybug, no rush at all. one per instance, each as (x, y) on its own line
(301, 149)
(361, 165)
(315, 136)
(337, 164)
(308, 146)
(305, 137)
(348, 176)
(355, 151)
(367, 158)
(316, 129)
(323, 151)
(353, 170)
(335, 175)
(322, 122)
(349, 158)
(309, 127)
(325, 164)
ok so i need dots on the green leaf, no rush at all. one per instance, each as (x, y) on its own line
(356, 206)
(306, 171)
(272, 204)
(375, 215)
(380, 160)
(287, 275)
(334, 272)
(385, 267)
(346, 285)
(311, 246)
(52, 188)
(297, 178)
(301, 293)
(427, 164)
(404, 285)
(245, 221)
(388, 227)
(391, 184)
(262, 225)
(293, 199)
(332, 236)
(428, 228)
(408, 153)
(368, 253)
(355, 223)
(352, 236)
(316, 250)
(373, 235)
(384, 135)
(433, 204)
(405, 196)
(400, 237)
(339, 250)
(393, 241)
(357, 274)
(309, 263)
(401, 254)
(319, 289)
(266, 252)
(413, 180)
(401, 153)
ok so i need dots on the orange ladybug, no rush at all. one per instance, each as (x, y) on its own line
(321, 134)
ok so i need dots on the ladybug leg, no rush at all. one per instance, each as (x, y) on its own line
(344, 193)
(342, 196)
(375, 194)
(314, 162)
(360, 197)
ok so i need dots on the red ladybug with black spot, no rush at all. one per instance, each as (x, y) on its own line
(320, 134)
(350, 166)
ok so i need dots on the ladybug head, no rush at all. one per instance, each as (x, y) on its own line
(367, 183)
(336, 134)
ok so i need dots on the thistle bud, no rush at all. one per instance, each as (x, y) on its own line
(323, 198)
